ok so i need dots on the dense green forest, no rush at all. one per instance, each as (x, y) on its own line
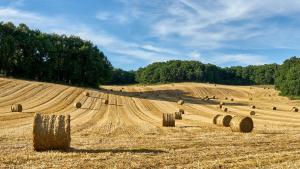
(288, 77)
(31, 54)
(181, 71)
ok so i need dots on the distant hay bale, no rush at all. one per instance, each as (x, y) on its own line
(86, 94)
(51, 132)
(178, 115)
(241, 124)
(253, 107)
(181, 110)
(250, 98)
(274, 108)
(180, 102)
(223, 120)
(213, 97)
(111, 90)
(232, 99)
(222, 103)
(215, 118)
(77, 105)
(168, 120)
(295, 109)
(252, 113)
(206, 97)
(226, 98)
(16, 108)
(105, 101)
(220, 106)
(225, 109)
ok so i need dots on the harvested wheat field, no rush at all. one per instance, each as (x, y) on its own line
(127, 131)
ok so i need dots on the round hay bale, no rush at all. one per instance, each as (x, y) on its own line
(295, 109)
(223, 120)
(215, 118)
(51, 132)
(105, 101)
(181, 110)
(253, 107)
(250, 98)
(241, 124)
(178, 115)
(232, 99)
(16, 108)
(180, 102)
(87, 94)
(226, 98)
(206, 97)
(225, 109)
(222, 103)
(274, 108)
(77, 105)
(220, 106)
(252, 113)
(213, 97)
(168, 120)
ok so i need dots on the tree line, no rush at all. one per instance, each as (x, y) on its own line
(182, 71)
(31, 54)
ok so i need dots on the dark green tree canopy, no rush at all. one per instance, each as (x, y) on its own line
(31, 54)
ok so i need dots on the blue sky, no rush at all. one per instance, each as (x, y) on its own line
(134, 33)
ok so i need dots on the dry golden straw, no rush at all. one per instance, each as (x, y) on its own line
(178, 115)
(16, 108)
(180, 102)
(168, 120)
(51, 132)
(77, 105)
(223, 120)
(241, 124)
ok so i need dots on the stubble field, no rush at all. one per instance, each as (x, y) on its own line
(128, 132)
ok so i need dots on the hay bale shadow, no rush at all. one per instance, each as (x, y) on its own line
(116, 151)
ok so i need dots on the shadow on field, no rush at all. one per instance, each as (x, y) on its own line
(141, 151)
(171, 96)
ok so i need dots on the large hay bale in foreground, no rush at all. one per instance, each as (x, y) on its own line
(16, 108)
(223, 120)
(181, 110)
(51, 132)
(77, 105)
(215, 118)
(178, 115)
(168, 120)
(180, 102)
(86, 94)
(241, 124)
(252, 113)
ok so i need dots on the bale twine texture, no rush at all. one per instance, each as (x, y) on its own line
(168, 120)
(51, 132)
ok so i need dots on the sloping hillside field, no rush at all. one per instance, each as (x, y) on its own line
(127, 132)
